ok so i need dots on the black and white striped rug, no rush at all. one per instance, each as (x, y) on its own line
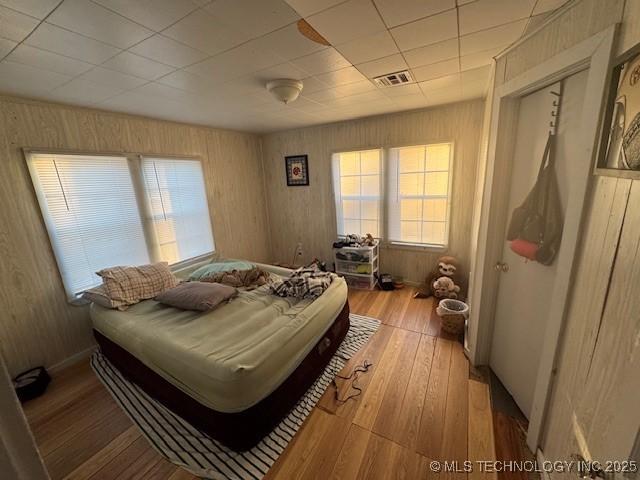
(193, 450)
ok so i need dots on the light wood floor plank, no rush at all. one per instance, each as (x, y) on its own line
(181, 474)
(454, 438)
(351, 455)
(377, 302)
(417, 314)
(126, 459)
(315, 452)
(372, 353)
(373, 395)
(388, 416)
(410, 413)
(431, 430)
(106, 455)
(356, 299)
(433, 322)
(481, 440)
(395, 308)
(85, 444)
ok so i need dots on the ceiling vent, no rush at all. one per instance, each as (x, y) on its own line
(393, 79)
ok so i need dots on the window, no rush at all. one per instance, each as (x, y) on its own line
(177, 206)
(102, 211)
(357, 184)
(418, 202)
(416, 199)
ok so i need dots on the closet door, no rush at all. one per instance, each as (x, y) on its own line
(526, 287)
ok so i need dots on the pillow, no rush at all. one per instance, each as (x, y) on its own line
(98, 295)
(199, 296)
(130, 285)
(220, 266)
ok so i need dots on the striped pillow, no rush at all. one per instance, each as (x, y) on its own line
(130, 285)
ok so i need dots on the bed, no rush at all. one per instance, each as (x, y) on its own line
(233, 372)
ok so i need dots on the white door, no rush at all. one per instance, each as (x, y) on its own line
(526, 287)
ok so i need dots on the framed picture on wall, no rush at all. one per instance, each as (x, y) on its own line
(619, 152)
(297, 167)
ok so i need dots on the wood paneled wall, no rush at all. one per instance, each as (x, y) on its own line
(307, 214)
(597, 365)
(37, 325)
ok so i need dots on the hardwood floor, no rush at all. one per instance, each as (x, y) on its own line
(418, 404)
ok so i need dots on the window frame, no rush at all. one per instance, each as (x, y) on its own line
(425, 246)
(385, 159)
(382, 185)
(134, 162)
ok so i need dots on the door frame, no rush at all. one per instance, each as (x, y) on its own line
(595, 54)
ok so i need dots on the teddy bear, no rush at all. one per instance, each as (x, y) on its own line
(447, 267)
(444, 287)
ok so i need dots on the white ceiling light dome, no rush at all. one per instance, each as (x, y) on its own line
(285, 89)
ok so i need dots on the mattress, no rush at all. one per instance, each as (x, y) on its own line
(231, 358)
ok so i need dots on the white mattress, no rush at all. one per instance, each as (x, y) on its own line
(233, 357)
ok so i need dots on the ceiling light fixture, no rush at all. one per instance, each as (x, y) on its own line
(285, 89)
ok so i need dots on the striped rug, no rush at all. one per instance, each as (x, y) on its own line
(186, 446)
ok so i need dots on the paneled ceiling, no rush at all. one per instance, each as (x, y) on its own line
(207, 62)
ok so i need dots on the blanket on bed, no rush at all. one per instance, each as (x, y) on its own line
(308, 282)
(248, 279)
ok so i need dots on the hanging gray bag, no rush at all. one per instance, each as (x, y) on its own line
(535, 229)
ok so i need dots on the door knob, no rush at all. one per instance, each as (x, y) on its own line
(501, 267)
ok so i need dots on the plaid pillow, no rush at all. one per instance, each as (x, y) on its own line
(130, 285)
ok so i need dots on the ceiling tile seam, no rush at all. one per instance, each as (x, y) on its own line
(74, 58)
(319, 11)
(111, 97)
(381, 90)
(115, 12)
(533, 8)
(422, 18)
(40, 22)
(56, 53)
(144, 26)
(211, 57)
(529, 19)
(461, 37)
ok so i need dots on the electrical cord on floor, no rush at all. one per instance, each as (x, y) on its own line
(364, 368)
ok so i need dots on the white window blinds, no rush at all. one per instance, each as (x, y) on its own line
(90, 210)
(358, 191)
(177, 208)
(103, 211)
(419, 194)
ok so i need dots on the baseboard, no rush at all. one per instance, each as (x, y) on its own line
(73, 359)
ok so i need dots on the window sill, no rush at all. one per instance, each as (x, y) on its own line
(192, 263)
(414, 247)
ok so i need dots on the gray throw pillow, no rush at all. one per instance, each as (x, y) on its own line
(199, 296)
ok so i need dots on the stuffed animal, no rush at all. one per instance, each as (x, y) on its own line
(444, 287)
(368, 240)
(447, 267)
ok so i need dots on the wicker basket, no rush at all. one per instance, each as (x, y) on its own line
(454, 314)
